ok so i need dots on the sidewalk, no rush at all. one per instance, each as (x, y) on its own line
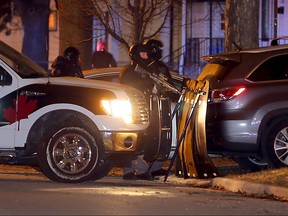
(236, 186)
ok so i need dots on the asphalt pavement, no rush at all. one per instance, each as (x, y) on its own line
(219, 183)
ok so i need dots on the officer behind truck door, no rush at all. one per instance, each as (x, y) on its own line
(139, 54)
(143, 82)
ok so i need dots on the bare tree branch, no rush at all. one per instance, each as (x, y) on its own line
(131, 21)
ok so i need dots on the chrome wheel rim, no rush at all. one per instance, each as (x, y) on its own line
(71, 153)
(281, 145)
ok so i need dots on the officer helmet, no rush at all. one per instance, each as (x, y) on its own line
(72, 54)
(134, 51)
(154, 48)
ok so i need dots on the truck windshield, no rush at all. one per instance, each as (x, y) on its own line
(20, 63)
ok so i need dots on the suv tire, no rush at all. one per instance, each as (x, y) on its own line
(70, 154)
(275, 143)
(252, 163)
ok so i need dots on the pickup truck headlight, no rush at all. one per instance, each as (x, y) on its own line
(118, 108)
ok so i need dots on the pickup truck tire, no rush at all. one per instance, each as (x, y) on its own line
(70, 153)
(101, 171)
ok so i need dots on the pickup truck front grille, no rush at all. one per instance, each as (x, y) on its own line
(140, 107)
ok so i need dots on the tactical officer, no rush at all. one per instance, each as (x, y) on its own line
(68, 64)
(158, 67)
(135, 75)
(101, 58)
(128, 76)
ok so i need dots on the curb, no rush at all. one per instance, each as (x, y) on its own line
(236, 186)
(205, 183)
(253, 189)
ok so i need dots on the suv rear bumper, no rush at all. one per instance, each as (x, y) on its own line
(230, 136)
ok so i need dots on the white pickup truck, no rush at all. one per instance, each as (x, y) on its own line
(76, 128)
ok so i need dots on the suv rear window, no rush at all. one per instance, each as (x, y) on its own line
(275, 68)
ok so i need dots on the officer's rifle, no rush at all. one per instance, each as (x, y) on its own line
(159, 79)
(162, 81)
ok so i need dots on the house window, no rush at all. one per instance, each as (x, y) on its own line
(53, 20)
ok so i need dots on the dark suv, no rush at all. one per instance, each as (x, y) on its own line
(247, 114)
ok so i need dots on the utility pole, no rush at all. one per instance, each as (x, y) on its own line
(171, 38)
(183, 39)
(210, 32)
(275, 17)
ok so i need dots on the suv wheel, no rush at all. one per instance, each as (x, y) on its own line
(275, 143)
(70, 154)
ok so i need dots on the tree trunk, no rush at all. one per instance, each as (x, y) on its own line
(75, 29)
(241, 24)
(34, 15)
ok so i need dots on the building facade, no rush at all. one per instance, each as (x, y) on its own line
(195, 29)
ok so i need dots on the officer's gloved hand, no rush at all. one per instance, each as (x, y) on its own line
(155, 90)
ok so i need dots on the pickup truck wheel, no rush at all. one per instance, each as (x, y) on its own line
(70, 154)
(275, 143)
(101, 171)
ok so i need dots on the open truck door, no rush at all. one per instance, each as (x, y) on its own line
(159, 132)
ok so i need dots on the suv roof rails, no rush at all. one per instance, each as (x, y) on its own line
(274, 41)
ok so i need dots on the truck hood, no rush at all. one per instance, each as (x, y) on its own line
(88, 83)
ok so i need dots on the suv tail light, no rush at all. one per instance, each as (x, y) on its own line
(226, 94)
